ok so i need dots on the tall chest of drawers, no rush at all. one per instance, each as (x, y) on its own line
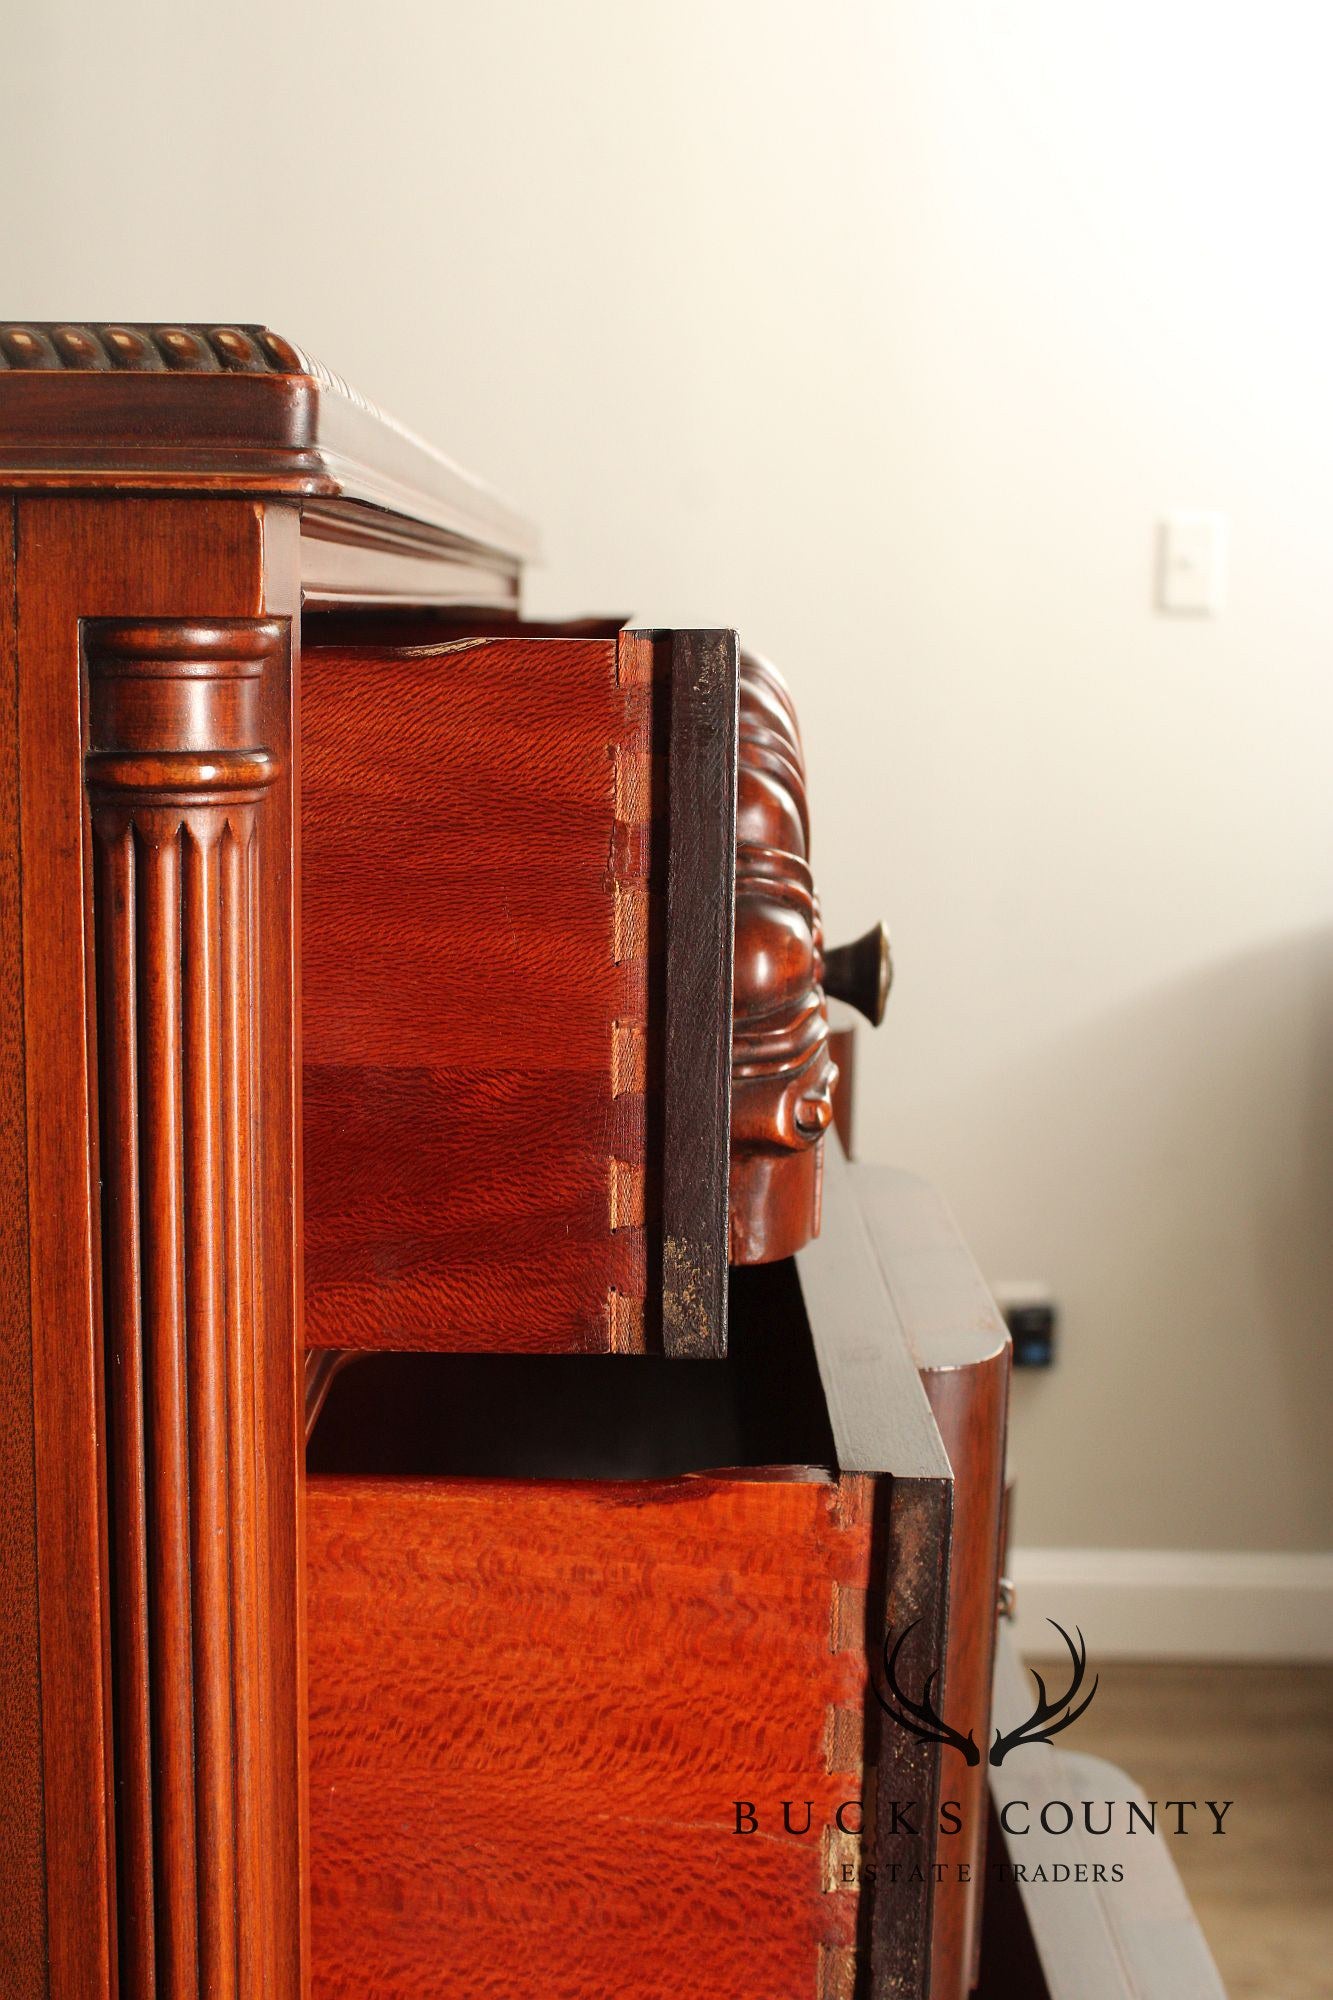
(415, 1022)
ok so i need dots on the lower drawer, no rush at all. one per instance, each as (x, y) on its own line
(538, 1704)
(533, 1710)
(592, 1643)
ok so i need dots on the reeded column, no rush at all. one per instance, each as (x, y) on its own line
(178, 777)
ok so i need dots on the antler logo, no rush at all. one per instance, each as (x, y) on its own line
(920, 1718)
(1046, 1719)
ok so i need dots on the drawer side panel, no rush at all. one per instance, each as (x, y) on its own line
(478, 919)
(533, 1707)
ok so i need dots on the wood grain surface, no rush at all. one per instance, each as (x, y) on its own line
(782, 1077)
(186, 881)
(477, 863)
(476, 1639)
(150, 1532)
(123, 1268)
(842, 1044)
(132, 407)
(23, 1960)
(532, 1708)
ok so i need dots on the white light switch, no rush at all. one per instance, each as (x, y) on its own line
(1191, 563)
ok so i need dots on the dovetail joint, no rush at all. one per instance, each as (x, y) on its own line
(847, 1623)
(628, 1195)
(840, 1854)
(635, 781)
(844, 1730)
(630, 938)
(836, 1977)
(624, 1318)
(629, 1058)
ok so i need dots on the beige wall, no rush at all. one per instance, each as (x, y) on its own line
(884, 331)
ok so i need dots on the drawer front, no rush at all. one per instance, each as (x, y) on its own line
(517, 905)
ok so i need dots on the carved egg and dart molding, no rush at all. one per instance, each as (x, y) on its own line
(782, 1074)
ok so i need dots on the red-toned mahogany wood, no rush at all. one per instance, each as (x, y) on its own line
(477, 823)
(183, 1032)
(238, 409)
(323, 499)
(962, 1348)
(842, 1033)
(179, 775)
(532, 1708)
(969, 1398)
(782, 1075)
(558, 1643)
(22, 1902)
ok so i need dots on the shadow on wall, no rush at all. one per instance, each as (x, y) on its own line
(1175, 1161)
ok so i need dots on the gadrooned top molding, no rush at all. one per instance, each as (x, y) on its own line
(124, 406)
(153, 350)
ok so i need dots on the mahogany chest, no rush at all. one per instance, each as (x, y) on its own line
(413, 1026)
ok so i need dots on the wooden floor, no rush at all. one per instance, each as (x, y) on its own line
(1263, 1736)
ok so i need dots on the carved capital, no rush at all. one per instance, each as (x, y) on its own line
(782, 1074)
(173, 711)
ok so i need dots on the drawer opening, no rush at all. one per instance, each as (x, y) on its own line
(760, 1412)
(414, 625)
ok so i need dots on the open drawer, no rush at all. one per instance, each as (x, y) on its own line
(527, 1126)
(573, 1623)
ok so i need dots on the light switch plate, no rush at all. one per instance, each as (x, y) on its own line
(1191, 563)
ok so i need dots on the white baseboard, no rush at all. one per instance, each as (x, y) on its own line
(1175, 1604)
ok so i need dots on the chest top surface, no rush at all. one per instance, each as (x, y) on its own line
(187, 408)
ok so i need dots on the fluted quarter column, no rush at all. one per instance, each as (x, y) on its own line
(178, 778)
